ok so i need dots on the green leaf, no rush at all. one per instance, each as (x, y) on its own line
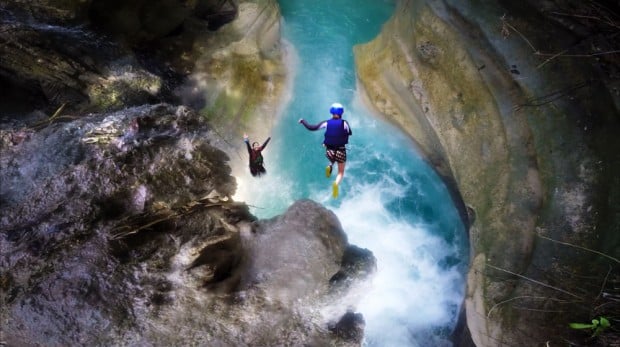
(581, 326)
(605, 322)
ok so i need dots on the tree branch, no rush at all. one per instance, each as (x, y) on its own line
(535, 281)
(580, 247)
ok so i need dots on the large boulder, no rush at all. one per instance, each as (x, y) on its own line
(525, 133)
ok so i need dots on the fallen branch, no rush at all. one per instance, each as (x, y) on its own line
(606, 21)
(604, 283)
(505, 23)
(550, 58)
(137, 230)
(545, 99)
(188, 208)
(54, 117)
(506, 32)
(521, 297)
(553, 56)
(580, 247)
(535, 281)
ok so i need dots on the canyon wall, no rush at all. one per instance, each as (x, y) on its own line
(515, 105)
(516, 110)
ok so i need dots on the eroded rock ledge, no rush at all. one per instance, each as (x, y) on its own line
(119, 229)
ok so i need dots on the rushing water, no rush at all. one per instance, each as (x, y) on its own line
(390, 201)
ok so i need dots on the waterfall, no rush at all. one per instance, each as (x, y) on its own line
(390, 201)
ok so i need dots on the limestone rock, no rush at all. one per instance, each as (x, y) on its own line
(101, 56)
(515, 136)
(119, 229)
(241, 69)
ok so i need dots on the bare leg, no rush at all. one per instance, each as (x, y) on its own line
(340, 172)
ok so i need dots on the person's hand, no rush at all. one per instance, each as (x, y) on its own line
(300, 120)
(245, 137)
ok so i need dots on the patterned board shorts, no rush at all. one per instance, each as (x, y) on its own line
(336, 155)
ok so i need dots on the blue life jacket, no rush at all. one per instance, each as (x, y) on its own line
(335, 133)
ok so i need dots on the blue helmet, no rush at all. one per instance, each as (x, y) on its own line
(336, 108)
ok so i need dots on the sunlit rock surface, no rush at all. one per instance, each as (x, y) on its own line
(94, 56)
(527, 138)
(241, 71)
(119, 229)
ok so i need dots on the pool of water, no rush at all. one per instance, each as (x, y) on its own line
(390, 202)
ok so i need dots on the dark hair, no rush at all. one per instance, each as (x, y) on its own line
(255, 143)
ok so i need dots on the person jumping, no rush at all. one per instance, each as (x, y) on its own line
(256, 157)
(337, 132)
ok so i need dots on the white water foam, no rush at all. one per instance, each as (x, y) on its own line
(410, 292)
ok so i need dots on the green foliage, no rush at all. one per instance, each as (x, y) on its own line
(597, 326)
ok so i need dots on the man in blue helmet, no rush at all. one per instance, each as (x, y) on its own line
(337, 132)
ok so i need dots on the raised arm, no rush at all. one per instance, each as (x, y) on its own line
(311, 126)
(265, 144)
(247, 143)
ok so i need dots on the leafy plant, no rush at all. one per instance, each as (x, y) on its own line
(597, 326)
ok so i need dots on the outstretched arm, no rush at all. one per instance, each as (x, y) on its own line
(312, 127)
(265, 144)
(247, 143)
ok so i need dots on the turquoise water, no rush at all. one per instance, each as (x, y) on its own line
(390, 201)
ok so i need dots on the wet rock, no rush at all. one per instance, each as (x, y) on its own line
(120, 228)
(294, 255)
(356, 264)
(350, 327)
(66, 204)
(513, 135)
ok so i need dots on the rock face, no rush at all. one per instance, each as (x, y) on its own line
(90, 55)
(119, 229)
(118, 226)
(220, 57)
(241, 70)
(526, 137)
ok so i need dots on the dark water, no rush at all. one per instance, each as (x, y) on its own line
(390, 201)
